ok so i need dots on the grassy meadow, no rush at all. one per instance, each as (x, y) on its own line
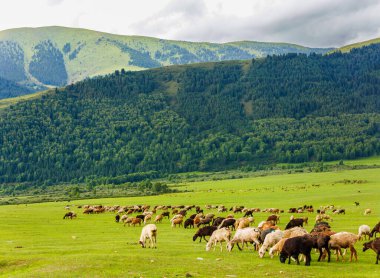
(37, 242)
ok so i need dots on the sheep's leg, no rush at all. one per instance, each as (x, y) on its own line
(377, 258)
(320, 254)
(353, 254)
(308, 258)
(221, 246)
(239, 246)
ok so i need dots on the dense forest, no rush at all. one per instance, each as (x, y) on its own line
(11, 89)
(212, 116)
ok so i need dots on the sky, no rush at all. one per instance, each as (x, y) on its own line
(314, 23)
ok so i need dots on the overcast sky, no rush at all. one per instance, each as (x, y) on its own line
(316, 23)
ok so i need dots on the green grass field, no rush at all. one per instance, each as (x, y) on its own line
(37, 242)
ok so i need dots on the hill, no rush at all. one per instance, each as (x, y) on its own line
(58, 56)
(212, 116)
(10, 89)
(348, 48)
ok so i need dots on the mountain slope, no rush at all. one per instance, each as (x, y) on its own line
(59, 56)
(10, 89)
(212, 116)
(348, 48)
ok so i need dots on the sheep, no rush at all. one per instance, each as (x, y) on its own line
(189, 223)
(243, 222)
(135, 220)
(321, 217)
(264, 225)
(219, 235)
(158, 218)
(147, 218)
(375, 230)
(117, 218)
(177, 221)
(274, 218)
(321, 241)
(270, 240)
(70, 215)
(295, 246)
(264, 233)
(364, 230)
(149, 232)
(277, 247)
(367, 211)
(375, 246)
(293, 232)
(217, 221)
(297, 222)
(203, 232)
(250, 234)
(344, 240)
(205, 221)
(228, 222)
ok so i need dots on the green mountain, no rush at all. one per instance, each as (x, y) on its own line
(348, 48)
(58, 56)
(10, 89)
(211, 116)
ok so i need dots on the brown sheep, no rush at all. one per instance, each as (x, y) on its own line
(375, 246)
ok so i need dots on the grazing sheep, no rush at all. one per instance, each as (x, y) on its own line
(274, 218)
(243, 222)
(217, 221)
(293, 232)
(176, 221)
(147, 218)
(295, 246)
(189, 223)
(250, 234)
(264, 225)
(375, 246)
(166, 213)
(321, 217)
(264, 233)
(228, 222)
(296, 222)
(277, 247)
(149, 232)
(270, 240)
(205, 221)
(70, 215)
(375, 230)
(220, 235)
(158, 218)
(320, 242)
(344, 240)
(117, 218)
(134, 221)
(367, 212)
(364, 230)
(203, 232)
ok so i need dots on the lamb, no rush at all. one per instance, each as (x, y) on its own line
(270, 240)
(375, 246)
(375, 230)
(295, 246)
(219, 235)
(250, 234)
(203, 232)
(277, 247)
(364, 230)
(149, 232)
(344, 240)
(367, 211)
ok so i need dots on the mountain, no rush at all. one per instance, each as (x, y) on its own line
(210, 116)
(58, 56)
(10, 89)
(348, 48)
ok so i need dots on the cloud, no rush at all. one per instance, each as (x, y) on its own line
(313, 22)
(54, 2)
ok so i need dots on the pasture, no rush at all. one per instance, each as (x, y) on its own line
(37, 242)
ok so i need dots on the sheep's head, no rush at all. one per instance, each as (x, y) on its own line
(283, 257)
(366, 246)
(261, 253)
(142, 244)
(208, 246)
(230, 245)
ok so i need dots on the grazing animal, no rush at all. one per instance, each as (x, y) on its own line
(270, 240)
(250, 234)
(219, 235)
(375, 246)
(375, 230)
(203, 232)
(297, 222)
(166, 213)
(70, 215)
(344, 240)
(189, 223)
(134, 221)
(356, 203)
(364, 230)
(277, 247)
(274, 218)
(117, 218)
(205, 221)
(320, 242)
(158, 218)
(295, 246)
(228, 222)
(177, 221)
(149, 232)
(217, 221)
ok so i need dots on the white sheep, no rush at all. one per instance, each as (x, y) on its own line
(220, 235)
(364, 230)
(344, 240)
(249, 234)
(295, 231)
(270, 240)
(149, 232)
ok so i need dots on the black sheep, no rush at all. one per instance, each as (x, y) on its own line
(228, 222)
(297, 222)
(203, 232)
(295, 246)
(189, 223)
(217, 221)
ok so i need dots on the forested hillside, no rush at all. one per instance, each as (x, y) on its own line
(11, 89)
(58, 56)
(212, 116)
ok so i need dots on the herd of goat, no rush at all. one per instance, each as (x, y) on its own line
(289, 243)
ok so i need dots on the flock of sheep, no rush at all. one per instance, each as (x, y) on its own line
(289, 243)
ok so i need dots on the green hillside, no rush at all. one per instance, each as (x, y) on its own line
(200, 117)
(59, 56)
(347, 48)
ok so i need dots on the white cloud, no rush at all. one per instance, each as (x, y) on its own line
(311, 22)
